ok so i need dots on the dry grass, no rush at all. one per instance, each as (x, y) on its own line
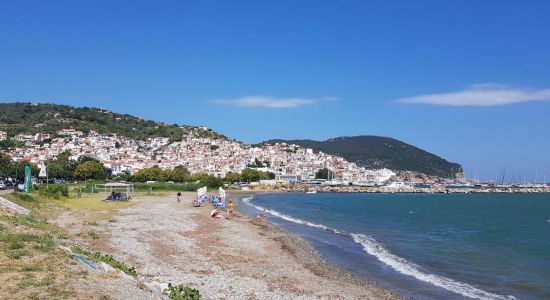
(93, 202)
(31, 264)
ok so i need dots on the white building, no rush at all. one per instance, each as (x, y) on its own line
(3, 135)
(24, 138)
(380, 176)
(70, 132)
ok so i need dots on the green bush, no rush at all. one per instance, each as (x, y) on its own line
(108, 259)
(181, 292)
(23, 196)
(93, 235)
(55, 191)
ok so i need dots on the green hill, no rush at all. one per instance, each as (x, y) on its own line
(381, 152)
(31, 118)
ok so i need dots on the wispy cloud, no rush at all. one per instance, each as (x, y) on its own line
(267, 102)
(482, 95)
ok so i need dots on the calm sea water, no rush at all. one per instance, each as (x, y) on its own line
(427, 246)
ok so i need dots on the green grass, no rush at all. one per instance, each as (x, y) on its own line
(31, 268)
(29, 221)
(108, 259)
(93, 235)
(35, 201)
(181, 292)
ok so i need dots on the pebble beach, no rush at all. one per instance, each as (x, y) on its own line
(237, 258)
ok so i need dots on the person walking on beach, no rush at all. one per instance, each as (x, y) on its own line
(230, 208)
(179, 197)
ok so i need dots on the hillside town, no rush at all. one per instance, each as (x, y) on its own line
(215, 156)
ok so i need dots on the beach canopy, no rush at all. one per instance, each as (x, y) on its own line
(201, 192)
(222, 192)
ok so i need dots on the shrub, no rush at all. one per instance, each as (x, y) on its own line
(181, 292)
(108, 259)
(55, 191)
(93, 235)
(23, 196)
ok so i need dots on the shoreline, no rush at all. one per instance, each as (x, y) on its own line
(385, 190)
(305, 253)
(170, 242)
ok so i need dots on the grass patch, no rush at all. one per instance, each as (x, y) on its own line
(17, 245)
(93, 202)
(29, 221)
(17, 253)
(14, 245)
(93, 235)
(37, 199)
(56, 191)
(181, 292)
(108, 259)
(31, 268)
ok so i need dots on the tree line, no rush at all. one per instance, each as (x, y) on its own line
(88, 168)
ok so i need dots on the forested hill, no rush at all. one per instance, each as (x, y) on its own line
(381, 152)
(31, 118)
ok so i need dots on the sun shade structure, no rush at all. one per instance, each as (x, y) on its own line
(108, 188)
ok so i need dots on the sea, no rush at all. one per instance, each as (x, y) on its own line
(425, 246)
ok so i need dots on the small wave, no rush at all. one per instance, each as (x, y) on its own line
(290, 218)
(401, 265)
(372, 247)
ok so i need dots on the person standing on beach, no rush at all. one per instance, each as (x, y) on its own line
(230, 208)
(179, 196)
(264, 215)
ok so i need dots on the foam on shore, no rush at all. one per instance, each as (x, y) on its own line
(399, 264)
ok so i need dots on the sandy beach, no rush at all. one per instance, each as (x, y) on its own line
(236, 258)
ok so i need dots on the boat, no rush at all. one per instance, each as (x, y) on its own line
(311, 192)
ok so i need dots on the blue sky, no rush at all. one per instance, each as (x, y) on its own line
(467, 80)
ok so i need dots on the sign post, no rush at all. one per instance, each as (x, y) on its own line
(28, 174)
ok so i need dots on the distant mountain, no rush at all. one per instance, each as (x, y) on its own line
(31, 118)
(381, 152)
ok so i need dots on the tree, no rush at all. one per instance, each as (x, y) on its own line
(150, 174)
(62, 166)
(249, 175)
(212, 181)
(19, 169)
(232, 177)
(84, 159)
(323, 173)
(179, 174)
(6, 166)
(91, 169)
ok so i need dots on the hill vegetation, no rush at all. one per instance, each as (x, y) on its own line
(381, 152)
(31, 118)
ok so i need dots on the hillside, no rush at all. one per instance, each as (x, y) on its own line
(381, 152)
(31, 118)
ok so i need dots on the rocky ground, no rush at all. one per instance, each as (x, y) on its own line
(239, 258)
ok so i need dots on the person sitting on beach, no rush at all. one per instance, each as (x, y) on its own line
(230, 208)
(215, 214)
(196, 203)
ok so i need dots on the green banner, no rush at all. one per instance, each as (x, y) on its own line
(28, 175)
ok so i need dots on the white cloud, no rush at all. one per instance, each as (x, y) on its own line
(482, 95)
(266, 102)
